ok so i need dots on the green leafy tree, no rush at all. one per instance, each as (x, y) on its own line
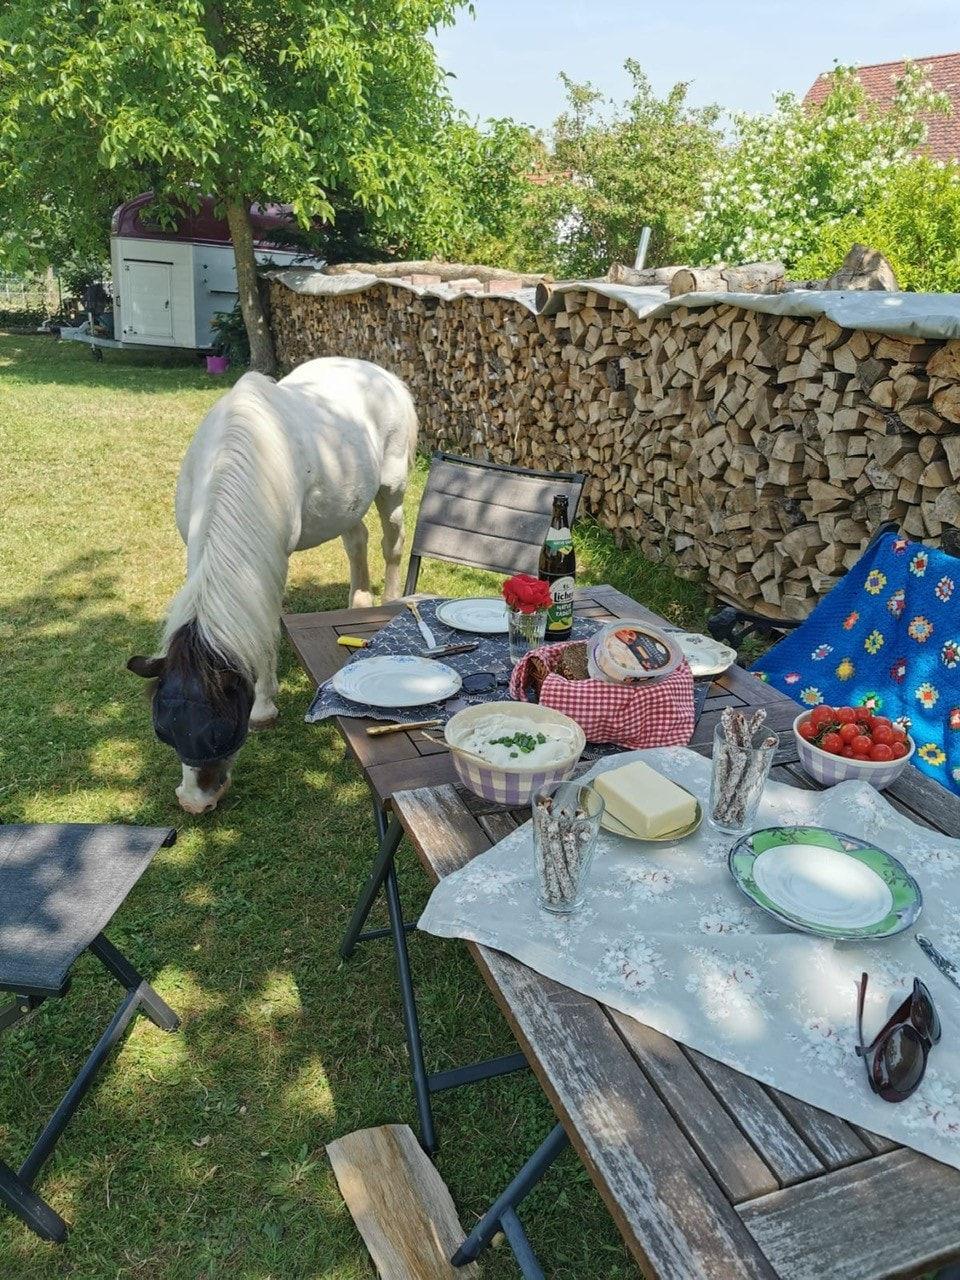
(466, 200)
(787, 175)
(607, 178)
(246, 100)
(480, 186)
(914, 221)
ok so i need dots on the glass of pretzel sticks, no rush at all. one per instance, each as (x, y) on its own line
(742, 756)
(566, 824)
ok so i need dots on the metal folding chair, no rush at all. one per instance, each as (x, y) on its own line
(60, 885)
(485, 515)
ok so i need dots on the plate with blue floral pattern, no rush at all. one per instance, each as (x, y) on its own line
(826, 883)
(396, 680)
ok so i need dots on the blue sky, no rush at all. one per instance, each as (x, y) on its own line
(737, 53)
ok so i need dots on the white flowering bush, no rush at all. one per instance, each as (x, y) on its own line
(787, 175)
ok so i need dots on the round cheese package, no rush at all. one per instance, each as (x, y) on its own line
(629, 652)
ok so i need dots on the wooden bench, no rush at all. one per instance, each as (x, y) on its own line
(400, 1204)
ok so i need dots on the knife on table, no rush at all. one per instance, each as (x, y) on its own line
(447, 650)
(425, 631)
(946, 967)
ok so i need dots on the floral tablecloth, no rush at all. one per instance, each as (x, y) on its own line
(666, 936)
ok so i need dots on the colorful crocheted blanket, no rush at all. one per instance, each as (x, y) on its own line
(886, 637)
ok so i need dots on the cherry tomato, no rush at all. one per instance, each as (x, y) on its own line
(848, 732)
(807, 730)
(882, 720)
(861, 745)
(846, 715)
(822, 714)
(898, 750)
(881, 751)
(847, 752)
(832, 743)
(899, 735)
(883, 733)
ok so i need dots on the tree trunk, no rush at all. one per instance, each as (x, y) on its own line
(752, 277)
(697, 280)
(863, 268)
(262, 355)
(619, 274)
(428, 266)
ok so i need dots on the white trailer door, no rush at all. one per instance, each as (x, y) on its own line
(147, 300)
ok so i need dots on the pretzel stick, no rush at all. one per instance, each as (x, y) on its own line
(738, 770)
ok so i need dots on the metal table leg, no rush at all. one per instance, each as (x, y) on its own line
(383, 875)
(502, 1213)
(391, 834)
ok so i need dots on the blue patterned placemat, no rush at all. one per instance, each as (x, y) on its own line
(400, 635)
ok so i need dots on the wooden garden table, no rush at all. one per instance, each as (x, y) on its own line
(709, 1173)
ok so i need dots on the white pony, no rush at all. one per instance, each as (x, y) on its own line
(274, 467)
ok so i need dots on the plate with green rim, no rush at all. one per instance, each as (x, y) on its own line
(826, 883)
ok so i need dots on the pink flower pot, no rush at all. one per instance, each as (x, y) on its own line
(217, 364)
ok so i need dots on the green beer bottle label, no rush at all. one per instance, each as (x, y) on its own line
(560, 613)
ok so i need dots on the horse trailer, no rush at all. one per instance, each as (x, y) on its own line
(169, 283)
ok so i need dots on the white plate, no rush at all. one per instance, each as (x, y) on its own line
(822, 886)
(396, 680)
(706, 656)
(824, 882)
(484, 614)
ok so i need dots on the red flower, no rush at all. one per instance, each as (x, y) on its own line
(526, 594)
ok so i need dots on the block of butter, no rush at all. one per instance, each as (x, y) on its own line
(645, 801)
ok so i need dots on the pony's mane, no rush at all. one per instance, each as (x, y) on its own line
(238, 554)
(191, 658)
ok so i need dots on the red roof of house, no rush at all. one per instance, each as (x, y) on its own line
(943, 70)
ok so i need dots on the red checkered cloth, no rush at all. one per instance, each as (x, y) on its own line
(658, 714)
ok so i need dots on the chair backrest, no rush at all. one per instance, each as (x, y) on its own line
(485, 515)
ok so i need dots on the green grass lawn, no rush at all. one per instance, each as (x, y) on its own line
(202, 1153)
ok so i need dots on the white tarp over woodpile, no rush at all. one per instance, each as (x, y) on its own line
(918, 315)
(306, 280)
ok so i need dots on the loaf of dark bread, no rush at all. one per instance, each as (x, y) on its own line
(573, 662)
(536, 672)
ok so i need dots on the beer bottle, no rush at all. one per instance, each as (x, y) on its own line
(558, 566)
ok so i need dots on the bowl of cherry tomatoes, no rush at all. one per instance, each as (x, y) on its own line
(840, 744)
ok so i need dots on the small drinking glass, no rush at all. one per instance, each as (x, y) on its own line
(566, 824)
(525, 631)
(737, 780)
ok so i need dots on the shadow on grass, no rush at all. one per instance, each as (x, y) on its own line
(203, 1149)
(236, 925)
(49, 361)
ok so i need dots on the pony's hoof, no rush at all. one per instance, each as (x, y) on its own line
(255, 726)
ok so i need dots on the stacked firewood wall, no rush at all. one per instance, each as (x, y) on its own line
(756, 451)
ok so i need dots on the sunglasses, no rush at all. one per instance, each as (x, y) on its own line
(897, 1057)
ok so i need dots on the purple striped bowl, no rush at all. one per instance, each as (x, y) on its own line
(514, 786)
(828, 769)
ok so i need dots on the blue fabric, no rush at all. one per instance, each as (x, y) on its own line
(887, 637)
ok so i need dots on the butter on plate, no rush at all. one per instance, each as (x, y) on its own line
(645, 801)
